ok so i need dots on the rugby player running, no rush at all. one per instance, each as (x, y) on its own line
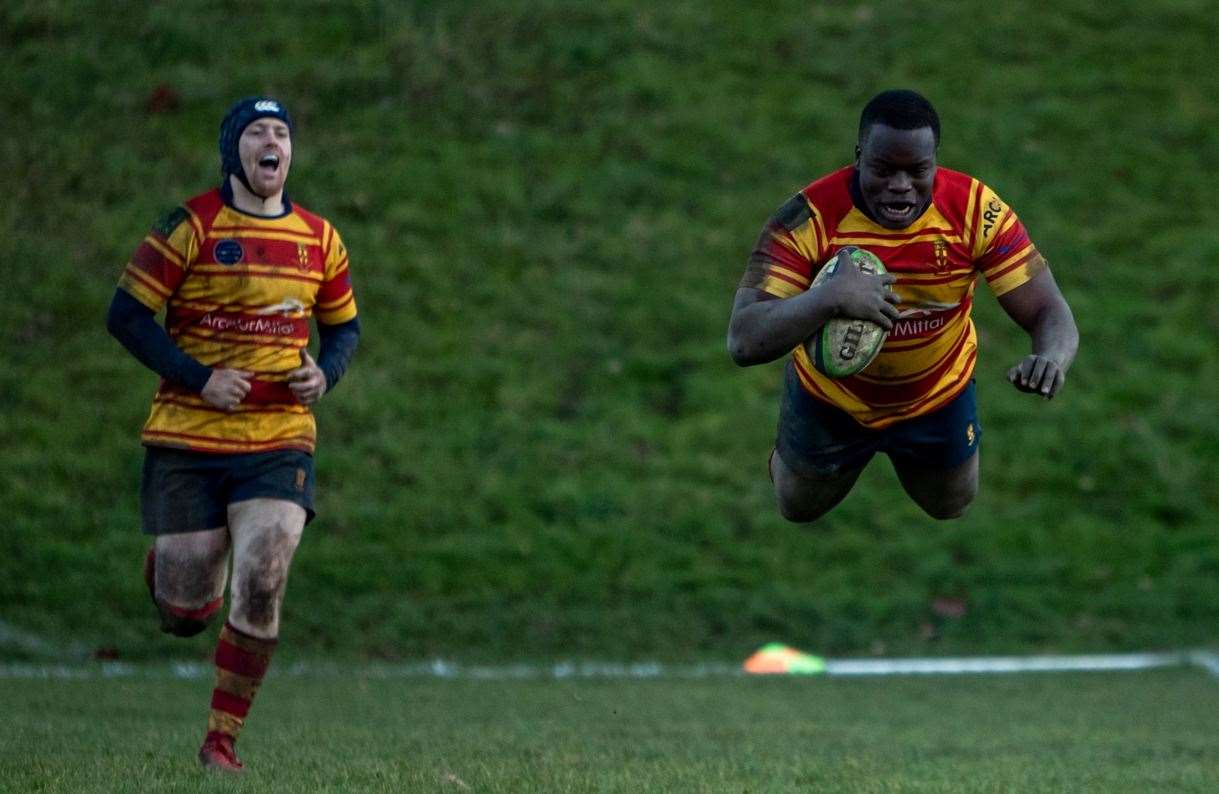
(936, 230)
(228, 467)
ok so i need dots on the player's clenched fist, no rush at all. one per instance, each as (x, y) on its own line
(226, 388)
(307, 381)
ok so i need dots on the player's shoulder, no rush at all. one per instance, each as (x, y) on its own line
(953, 187)
(203, 208)
(826, 197)
(974, 207)
(830, 196)
(958, 195)
(316, 223)
(191, 215)
(958, 186)
(169, 221)
(322, 229)
(208, 202)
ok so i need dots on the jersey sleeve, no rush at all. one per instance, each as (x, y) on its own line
(782, 261)
(336, 303)
(162, 260)
(1002, 250)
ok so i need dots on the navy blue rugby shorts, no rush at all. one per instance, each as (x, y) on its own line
(184, 491)
(816, 439)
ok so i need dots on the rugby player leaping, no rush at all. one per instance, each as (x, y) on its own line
(937, 231)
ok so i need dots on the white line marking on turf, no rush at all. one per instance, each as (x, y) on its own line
(440, 668)
(1207, 660)
(1003, 664)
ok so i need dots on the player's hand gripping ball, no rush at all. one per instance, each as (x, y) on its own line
(845, 345)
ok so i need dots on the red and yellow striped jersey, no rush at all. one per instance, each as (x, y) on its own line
(929, 355)
(238, 291)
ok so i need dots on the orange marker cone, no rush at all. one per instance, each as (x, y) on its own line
(775, 658)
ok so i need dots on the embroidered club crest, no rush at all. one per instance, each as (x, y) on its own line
(302, 257)
(941, 254)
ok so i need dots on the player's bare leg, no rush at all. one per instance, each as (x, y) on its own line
(186, 573)
(941, 494)
(803, 498)
(265, 534)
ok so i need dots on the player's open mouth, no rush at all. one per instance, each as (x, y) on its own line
(269, 161)
(897, 210)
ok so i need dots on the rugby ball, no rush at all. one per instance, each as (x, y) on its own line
(844, 346)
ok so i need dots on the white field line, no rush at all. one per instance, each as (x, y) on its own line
(1207, 660)
(1005, 664)
(642, 670)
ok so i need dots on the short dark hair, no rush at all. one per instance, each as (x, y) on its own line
(900, 109)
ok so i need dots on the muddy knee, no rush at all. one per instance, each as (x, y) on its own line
(803, 499)
(265, 536)
(260, 597)
(182, 622)
(949, 507)
(942, 494)
(258, 591)
(949, 501)
(801, 509)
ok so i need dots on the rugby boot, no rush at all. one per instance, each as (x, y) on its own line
(218, 753)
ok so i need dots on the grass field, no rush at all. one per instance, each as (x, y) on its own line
(1115, 732)
(542, 448)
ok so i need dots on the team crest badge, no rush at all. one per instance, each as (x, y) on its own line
(941, 254)
(228, 252)
(302, 256)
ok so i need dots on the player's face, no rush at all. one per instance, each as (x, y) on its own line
(265, 148)
(896, 172)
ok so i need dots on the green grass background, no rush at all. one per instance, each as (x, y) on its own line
(1120, 732)
(542, 448)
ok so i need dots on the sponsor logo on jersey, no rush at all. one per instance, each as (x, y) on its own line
(993, 208)
(922, 322)
(229, 252)
(247, 325)
(916, 327)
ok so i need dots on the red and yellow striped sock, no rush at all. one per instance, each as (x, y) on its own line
(241, 663)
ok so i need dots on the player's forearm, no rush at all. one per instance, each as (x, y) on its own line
(338, 345)
(1054, 334)
(135, 326)
(766, 330)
